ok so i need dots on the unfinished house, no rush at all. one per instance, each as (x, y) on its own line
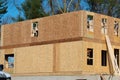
(66, 44)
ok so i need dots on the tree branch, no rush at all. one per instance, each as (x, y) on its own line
(69, 5)
(59, 7)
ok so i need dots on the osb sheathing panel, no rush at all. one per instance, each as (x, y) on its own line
(58, 57)
(3, 61)
(3, 52)
(97, 18)
(97, 27)
(56, 27)
(84, 23)
(111, 33)
(96, 68)
(69, 57)
(59, 27)
(117, 38)
(1, 56)
(17, 33)
(9, 51)
(111, 28)
(34, 59)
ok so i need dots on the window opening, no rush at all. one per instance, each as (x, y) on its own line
(116, 54)
(89, 56)
(104, 58)
(9, 60)
(116, 27)
(90, 23)
(35, 29)
(104, 26)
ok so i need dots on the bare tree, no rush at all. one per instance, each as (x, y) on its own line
(71, 5)
(64, 6)
(52, 6)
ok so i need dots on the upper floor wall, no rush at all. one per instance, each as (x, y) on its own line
(61, 27)
(96, 26)
(47, 29)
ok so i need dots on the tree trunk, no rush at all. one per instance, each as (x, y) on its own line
(51, 6)
(65, 5)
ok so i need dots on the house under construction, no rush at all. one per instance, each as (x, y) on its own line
(75, 43)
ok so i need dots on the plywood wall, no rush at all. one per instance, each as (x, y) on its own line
(58, 27)
(58, 58)
(34, 59)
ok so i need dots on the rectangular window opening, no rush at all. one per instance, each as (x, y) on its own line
(35, 29)
(104, 26)
(89, 56)
(104, 58)
(116, 28)
(9, 60)
(116, 54)
(90, 23)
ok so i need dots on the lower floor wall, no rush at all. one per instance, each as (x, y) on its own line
(68, 57)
